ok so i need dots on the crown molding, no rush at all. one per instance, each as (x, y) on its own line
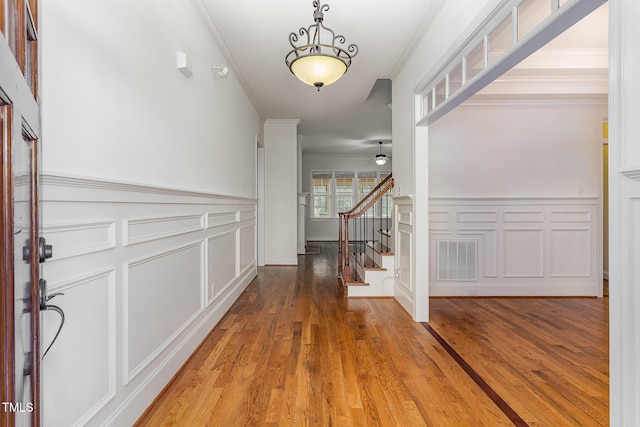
(430, 15)
(202, 13)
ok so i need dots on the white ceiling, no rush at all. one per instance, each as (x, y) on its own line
(338, 119)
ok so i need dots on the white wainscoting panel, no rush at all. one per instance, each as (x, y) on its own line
(146, 274)
(526, 247)
(245, 214)
(569, 216)
(146, 229)
(403, 259)
(247, 247)
(440, 217)
(78, 384)
(222, 268)
(405, 218)
(470, 216)
(487, 250)
(404, 264)
(221, 218)
(570, 252)
(163, 294)
(523, 216)
(75, 239)
(523, 253)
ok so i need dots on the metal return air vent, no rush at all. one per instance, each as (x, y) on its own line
(457, 260)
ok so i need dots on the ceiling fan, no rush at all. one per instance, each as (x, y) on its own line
(380, 158)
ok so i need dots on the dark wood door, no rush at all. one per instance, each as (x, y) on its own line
(19, 250)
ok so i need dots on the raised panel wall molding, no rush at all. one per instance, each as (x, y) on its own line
(403, 289)
(157, 311)
(523, 255)
(222, 263)
(440, 217)
(152, 252)
(94, 341)
(478, 216)
(521, 216)
(571, 216)
(147, 229)
(81, 238)
(246, 214)
(570, 252)
(405, 261)
(488, 248)
(535, 246)
(217, 219)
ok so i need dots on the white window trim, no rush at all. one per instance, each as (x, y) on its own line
(332, 196)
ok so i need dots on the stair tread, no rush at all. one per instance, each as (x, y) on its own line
(356, 284)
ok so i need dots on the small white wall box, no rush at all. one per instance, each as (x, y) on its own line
(184, 64)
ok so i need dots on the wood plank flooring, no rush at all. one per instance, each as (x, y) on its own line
(293, 351)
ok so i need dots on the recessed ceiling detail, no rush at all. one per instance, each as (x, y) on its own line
(380, 93)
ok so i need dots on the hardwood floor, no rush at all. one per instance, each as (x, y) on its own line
(293, 351)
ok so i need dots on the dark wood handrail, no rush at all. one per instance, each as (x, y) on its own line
(344, 268)
(364, 199)
(370, 202)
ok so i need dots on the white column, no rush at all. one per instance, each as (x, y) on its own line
(281, 167)
(624, 212)
(421, 224)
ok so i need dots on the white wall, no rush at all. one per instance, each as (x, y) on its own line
(320, 229)
(524, 182)
(513, 150)
(281, 195)
(148, 196)
(116, 107)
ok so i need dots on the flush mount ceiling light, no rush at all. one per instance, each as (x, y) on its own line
(381, 159)
(319, 62)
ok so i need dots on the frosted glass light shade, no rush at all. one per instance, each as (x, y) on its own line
(318, 70)
(381, 159)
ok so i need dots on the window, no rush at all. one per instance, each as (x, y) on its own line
(333, 192)
(386, 204)
(367, 181)
(344, 191)
(322, 194)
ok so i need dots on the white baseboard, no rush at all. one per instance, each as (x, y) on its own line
(533, 289)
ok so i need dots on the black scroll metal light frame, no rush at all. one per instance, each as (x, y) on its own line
(320, 61)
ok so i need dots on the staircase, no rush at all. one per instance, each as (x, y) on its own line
(365, 245)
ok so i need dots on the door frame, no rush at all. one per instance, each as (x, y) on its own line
(20, 123)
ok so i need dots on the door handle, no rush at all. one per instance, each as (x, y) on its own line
(45, 251)
(44, 299)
